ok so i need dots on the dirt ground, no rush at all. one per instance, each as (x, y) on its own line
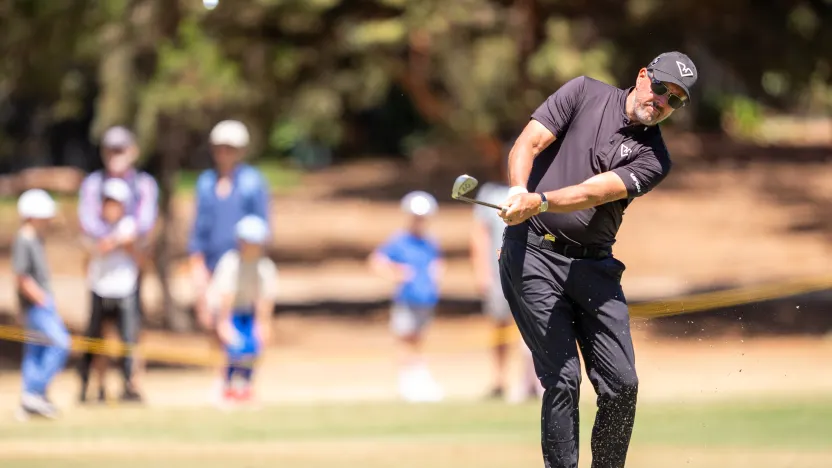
(706, 227)
(330, 360)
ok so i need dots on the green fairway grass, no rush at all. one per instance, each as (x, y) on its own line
(762, 434)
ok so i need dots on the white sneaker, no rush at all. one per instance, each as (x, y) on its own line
(408, 390)
(37, 404)
(426, 388)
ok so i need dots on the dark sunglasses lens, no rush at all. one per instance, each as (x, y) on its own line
(675, 101)
(659, 89)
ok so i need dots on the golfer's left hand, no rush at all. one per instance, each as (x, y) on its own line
(521, 207)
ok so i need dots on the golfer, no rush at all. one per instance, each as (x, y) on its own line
(588, 151)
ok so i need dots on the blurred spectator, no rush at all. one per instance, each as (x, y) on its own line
(412, 259)
(45, 358)
(486, 240)
(113, 275)
(224, 196)
(119, 152)
(245, 281)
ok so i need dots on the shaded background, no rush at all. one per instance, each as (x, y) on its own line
(353, 103)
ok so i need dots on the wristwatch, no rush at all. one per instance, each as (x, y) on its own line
(544, 203)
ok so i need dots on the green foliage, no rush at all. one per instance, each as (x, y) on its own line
(192, 76)
(742, 117)
(303, 70)
(386, 32)
(561, 59)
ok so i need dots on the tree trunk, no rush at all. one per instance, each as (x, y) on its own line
(171, 147)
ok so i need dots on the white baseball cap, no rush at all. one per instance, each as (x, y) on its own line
(36, 204)
(419, 203)
(230, 132)
(116, 189)
(252, 229)
(118, 137)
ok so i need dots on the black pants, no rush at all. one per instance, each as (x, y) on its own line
(557, 302)
(125, 312)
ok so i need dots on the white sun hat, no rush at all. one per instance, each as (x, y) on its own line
(116, 189)
(231, 133)
(419, 203)
(36, 204)
(252, 229)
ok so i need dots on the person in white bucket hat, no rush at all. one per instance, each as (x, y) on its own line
(245, 281)
(412, 260)
(47, 344)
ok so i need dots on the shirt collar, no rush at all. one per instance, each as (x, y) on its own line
(127, 176)
(235, 171)
(626, 122)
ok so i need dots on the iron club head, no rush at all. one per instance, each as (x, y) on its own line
(462, 185)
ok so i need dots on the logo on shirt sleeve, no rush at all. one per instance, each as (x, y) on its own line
(635, 181)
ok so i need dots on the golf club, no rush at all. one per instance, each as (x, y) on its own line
(465, 184)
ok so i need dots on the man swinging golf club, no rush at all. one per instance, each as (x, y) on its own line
(588, 151)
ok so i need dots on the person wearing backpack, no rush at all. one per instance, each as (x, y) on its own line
(225, 195)
(119, 153)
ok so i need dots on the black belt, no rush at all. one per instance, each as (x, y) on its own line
(568, 250)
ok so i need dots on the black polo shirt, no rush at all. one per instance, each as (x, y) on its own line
(593, 135)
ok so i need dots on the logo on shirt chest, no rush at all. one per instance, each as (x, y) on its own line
(625, 151)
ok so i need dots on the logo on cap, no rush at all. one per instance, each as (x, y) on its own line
(684, 70)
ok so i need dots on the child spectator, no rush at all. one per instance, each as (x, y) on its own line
(47, 345)
(246, 283)
(412, 260)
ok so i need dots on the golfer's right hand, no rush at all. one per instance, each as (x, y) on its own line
(521, 207)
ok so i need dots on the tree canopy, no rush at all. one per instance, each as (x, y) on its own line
(351, 75)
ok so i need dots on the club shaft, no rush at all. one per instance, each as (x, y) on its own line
(471, 200)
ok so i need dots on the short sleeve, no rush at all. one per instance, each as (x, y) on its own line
(226, 273)
(557, 111)
(21, 257)
(267, 273)
(391, 249)
(645, 172)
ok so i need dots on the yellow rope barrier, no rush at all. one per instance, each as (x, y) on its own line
(660, 308)
(728, 298)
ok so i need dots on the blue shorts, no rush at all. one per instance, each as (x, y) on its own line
(247, 347)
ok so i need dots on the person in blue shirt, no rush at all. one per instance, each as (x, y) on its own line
(224, 196)
(412, 259)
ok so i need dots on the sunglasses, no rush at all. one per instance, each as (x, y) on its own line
(660, 89)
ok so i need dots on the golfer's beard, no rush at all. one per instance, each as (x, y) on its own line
(644, 116)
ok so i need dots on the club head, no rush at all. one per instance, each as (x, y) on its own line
(462, 185)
